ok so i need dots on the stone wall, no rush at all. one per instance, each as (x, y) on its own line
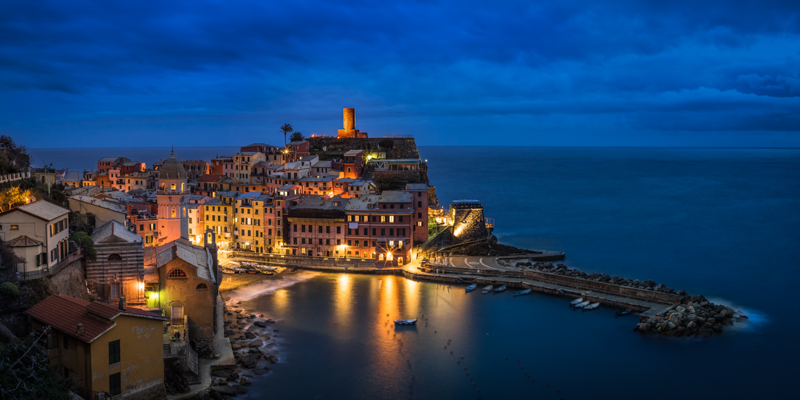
(70, 281)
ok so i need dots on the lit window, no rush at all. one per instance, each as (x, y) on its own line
(391, 218)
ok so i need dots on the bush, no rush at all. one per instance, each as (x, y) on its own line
(9, 289)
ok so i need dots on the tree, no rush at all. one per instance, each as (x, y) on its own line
(297, 137)
(286, 128)
(14, 196)
(25, 372)
(13, 157)
(85, 242)
(80, 222)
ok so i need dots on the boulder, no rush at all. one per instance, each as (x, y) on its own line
(224, 390)
(260, 323)
(256, 343)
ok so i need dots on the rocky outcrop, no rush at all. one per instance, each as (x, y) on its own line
(561, 269)
(694, 316)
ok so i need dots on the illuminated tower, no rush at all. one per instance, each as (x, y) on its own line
(173, 197)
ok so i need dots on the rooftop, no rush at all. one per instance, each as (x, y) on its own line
(114, 232)
(417, 186)
(186, 251)
(108, 205)
(353, 153)
(65, 313)
(394, 196)
(42, 209)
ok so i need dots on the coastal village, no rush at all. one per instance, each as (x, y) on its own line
(115, 279)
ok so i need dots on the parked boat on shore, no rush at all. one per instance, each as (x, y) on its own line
(488, 288)
(405, 321)
(465, 280)
(583, 304)
(576, 301)
(500, 289)
(591, 306)
(471, 287)
(522, 292)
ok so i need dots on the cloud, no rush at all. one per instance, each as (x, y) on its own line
(192, 69)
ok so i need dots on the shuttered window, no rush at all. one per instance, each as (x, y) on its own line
(113, 355)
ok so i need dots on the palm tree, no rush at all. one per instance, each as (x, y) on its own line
(286, 128)
(297, 137)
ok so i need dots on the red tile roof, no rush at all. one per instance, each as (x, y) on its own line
(65, 313)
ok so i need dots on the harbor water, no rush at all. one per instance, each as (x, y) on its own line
(724, 223)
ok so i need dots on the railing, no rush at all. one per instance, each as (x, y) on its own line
(65, 261)
(14, 177)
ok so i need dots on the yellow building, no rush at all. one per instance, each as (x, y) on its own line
(104, 348)
(218, 215)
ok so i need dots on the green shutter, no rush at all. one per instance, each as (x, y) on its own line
(115, 386)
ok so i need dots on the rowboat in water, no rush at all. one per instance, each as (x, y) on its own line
(500, 289)
(621, 313)
(583, 304)
(471, 288)
(522, 292)
(488, 289)
(576, 301)
(591, 306)
(405, 321)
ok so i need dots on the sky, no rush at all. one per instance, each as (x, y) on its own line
(557, 73)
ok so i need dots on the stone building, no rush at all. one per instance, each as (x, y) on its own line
(189, 279)
(118, 270)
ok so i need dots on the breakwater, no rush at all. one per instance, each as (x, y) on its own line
(663, 310)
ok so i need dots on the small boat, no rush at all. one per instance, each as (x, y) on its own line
(500, 289)
(591, 306)
(583, 304)
(405, 321)
(471, 287)
(576, 301)
(621, 313)
(522, 292)
(488, 289)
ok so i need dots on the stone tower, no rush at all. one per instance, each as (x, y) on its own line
(468, 221)
(349, 125)
(173, 197)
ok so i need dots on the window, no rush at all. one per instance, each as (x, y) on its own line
(113, 352)
(114, 384)
(320, 229)
(202, 287)
(338, 229)
(327, 229)
(383, 218)
(391, 218)
(419, 204)
(115, 257)
(177, 273)
(14, 227)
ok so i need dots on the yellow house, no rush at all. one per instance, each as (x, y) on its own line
(104, 348)
(219, 214)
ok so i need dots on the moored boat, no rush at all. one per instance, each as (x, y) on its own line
(471, 287)
(405, 321)
(522, 292)
(621, 313)
(591, 306)
(500, 289)
(576, 301)
(583, 304)
(487, 289)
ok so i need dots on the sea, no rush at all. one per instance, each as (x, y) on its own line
(722, 222)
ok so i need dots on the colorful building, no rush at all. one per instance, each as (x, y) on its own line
(116, 350)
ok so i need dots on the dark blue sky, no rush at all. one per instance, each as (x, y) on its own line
(667, 73)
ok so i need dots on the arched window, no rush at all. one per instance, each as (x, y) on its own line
(202, 286)
(177, 273)
(182, 186)
(172, 187)
(173, 213)
(115, 257)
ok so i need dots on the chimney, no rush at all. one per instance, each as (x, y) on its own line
(80, 330)
(122, 303)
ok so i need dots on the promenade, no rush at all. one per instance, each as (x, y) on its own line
(487, 271)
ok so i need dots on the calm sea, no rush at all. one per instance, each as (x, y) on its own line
(721, 222)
